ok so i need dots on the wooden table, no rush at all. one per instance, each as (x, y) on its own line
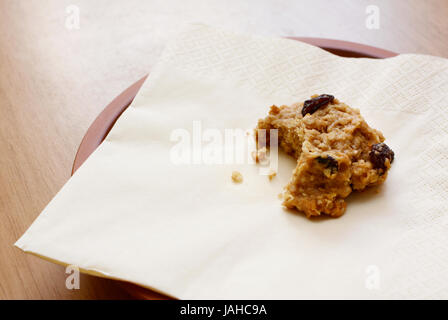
(55, 80)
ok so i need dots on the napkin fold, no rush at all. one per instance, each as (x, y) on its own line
(155, 206)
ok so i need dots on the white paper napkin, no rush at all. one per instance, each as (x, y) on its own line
(187, 230)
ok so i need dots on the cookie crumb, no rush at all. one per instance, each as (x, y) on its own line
(259, 155)
(237, 177)
(272, 174)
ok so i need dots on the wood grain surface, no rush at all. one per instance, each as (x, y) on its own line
(54, 81)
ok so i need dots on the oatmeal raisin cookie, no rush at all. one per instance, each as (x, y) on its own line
(336, 151)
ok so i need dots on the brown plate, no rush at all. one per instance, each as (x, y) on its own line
(99, 129)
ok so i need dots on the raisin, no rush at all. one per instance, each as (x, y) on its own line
(312, 105)
(329, 162)
(378, 155)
